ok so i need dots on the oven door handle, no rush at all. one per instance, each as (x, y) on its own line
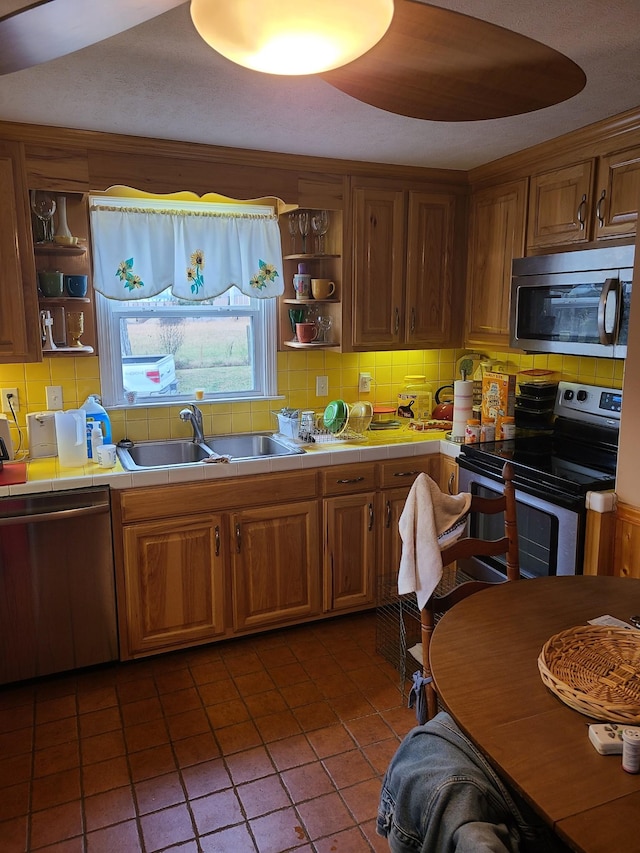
(609, 321)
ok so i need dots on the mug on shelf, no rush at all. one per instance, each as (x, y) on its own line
(51, 283)
(106, 455)
(306, 332)
(302, 286)
(322, 288)
(76, 285)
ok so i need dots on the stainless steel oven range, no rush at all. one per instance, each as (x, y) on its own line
(553, 473)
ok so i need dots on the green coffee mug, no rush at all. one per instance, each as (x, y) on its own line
(51, 283)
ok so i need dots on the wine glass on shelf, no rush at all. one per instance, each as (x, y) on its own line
(44, 206)
(293, 230)
(323, 323)
(320, 226)
(303, 226)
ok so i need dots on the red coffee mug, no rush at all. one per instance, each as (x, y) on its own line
(306, 332)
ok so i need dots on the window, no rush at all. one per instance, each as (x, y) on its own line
(182, 295)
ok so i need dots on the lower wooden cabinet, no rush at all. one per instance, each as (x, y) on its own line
(349, 554)
(174, 576)
(275, 558)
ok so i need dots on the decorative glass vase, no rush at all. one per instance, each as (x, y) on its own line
(62, 228)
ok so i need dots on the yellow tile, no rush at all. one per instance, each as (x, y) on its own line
(138, 430)
(555, 362)
(298, 380)
(605, 368)
(88, 368)
(37, 372)
(62, 368)
(382, 359)
(12, 374)
(241, 422)
(431, 357)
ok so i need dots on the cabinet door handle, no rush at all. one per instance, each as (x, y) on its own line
(599, 207)
(354, 480)
(452, 477)
(238, 539)
(396, 325)
(406, 473)
(581, 212)
(388, 515)
(412, 323)
(370, 516)
(216, 534)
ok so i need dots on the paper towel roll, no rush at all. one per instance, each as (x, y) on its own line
(462, 406)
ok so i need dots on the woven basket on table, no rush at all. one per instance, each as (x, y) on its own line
(595, 670)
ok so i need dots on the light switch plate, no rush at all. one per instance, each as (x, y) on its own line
(322, 386)
(54, 397)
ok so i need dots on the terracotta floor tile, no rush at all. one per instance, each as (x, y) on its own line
(69, 845)
(188, 723)
(263, 796)
(305, 648)
(101, 747)
(352, 705)
(14, 801)
(56, 824)
(270, 702)
(278, 831)
(206, 672)
(324, 816)
(277, 726)
(242, 664)
(205, 778)
(333, 686)
(349, 768)
(215, 692)
(141, 709)
(115, 806)
(354, 658)
(13, 743)
(55, 709)
(254, 682)
(216, 811)
(179, 701)
(291, 752)
(16, 717)
(227, 713)
(366, 730)
(239, 737)
(193, 750)
(291, 673)
(56, 758)
(302, 693)
(249, 764)
(151, 762)
(308, 781)
(362, 799)
(14, 835)
(330, 741)
(16, 696)
(276, 656)
(169, 682)
(16, 768)
(401, 720)
(98, 722)
(96, 699)
(159, 792)
(56, 687)
(105, 775)
(384, 697)
(318, 715)
(349, 841)
(55, 732)
(380, 754)
(54, 790)
(123, 836)
(378, 844)
(146, 735)
(323, 666)
(166, 827)
(235, 839)
(137, 688)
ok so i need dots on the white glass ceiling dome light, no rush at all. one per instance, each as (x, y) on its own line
(291, 36)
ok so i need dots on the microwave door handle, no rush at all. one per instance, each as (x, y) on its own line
(606, 330)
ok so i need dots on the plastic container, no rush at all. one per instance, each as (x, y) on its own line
(97, 439)
(487, 431)
(71, 437)
(95, 413)
(631, 750)
(414, 398)
(507, 428)
(472, 431)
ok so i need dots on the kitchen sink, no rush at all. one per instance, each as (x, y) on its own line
(241, 446)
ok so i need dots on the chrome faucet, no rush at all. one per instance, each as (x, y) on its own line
(194, 415)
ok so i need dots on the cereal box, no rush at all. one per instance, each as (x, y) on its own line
(498, 397)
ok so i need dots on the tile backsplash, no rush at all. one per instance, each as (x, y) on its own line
(297, 373)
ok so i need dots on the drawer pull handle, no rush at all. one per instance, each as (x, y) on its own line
(354, 480)
(406, 473)
(216, 534)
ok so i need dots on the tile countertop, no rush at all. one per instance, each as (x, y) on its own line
(45, 475)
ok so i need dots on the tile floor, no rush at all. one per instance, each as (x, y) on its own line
(259, 745)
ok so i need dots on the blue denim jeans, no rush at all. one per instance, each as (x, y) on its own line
(440, 795)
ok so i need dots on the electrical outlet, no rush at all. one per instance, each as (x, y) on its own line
(15, 402)
(364, 383)
(54, 397)
(322, 386)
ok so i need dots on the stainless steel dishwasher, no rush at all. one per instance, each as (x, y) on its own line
(57, 590)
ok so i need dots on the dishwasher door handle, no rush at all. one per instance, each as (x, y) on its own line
(54, 515)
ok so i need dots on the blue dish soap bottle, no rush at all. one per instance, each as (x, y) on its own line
(96, 414)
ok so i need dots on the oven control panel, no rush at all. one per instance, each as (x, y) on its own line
(589, 403)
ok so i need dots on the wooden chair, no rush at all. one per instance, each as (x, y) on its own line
(463, 549)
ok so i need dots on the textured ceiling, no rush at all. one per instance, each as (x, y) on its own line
(161, 80)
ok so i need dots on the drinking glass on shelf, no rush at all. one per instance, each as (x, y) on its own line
(44, 206)
(320, 226)
(323, 323)
(293, 230)
(303, 226)
(296, 315)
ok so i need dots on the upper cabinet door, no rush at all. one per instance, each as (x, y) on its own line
(19, 320)
(618, 194)
(430, 237)
(378, 266)
(496, 238)
(561, 206)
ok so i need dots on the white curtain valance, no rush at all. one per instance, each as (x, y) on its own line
(139, 251)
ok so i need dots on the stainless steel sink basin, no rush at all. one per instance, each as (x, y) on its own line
(159, 454)
(252, 445)
(242, 446)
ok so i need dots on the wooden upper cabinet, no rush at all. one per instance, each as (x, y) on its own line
(378, 266)
(497, 230)
(617, 194)
(561, 206)
(402, 268)
(19, 319)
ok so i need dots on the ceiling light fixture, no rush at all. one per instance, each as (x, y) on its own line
(291, 36)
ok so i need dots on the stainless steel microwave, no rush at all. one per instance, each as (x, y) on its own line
(574, 303)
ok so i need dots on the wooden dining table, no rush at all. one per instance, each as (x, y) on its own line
(484, 659)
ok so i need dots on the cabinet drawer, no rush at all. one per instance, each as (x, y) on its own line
(402, 472)
(347, 479)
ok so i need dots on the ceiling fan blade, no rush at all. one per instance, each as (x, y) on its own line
(53, 28)
(440, 65)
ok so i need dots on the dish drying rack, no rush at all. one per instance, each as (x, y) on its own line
(290, 427)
